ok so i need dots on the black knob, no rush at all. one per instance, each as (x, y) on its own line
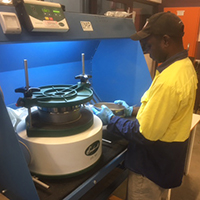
(83, 78)
(27, 92)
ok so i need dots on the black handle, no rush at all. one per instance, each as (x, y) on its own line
(27, 92)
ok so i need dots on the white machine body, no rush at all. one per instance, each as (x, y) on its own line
(59, 156)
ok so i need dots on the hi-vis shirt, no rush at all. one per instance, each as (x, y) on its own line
(167, 107)
(158, 137)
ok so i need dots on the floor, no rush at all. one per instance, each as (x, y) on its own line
(190, 188)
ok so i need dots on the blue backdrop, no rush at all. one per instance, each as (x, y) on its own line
(117, 66)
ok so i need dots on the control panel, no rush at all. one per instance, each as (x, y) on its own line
(42, 16)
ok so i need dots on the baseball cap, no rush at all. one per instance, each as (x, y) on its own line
(162, 23)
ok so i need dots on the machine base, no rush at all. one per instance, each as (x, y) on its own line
(63, 156)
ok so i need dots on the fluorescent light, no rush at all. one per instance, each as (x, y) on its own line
(6, 1)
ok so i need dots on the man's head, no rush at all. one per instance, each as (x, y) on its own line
(161, 36)
(162, 23)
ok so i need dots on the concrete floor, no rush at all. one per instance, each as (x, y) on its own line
(190, 188)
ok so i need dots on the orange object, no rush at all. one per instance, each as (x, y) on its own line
(191, 19)
(112, 197)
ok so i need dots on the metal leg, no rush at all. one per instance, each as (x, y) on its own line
(189, 150)
(169, 194)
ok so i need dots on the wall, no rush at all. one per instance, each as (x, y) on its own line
(178, 3)
(182, 3)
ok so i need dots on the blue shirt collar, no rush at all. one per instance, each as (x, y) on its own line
(179, 56)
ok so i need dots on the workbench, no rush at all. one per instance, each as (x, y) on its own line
(97, 183)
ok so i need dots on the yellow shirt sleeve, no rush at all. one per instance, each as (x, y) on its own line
(159, 105)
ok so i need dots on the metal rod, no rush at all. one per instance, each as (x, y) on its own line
(27, 87)
(26, 73)
(40, 182)
(83, 63)
(107, 141)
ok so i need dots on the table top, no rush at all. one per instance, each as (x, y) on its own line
(195, 120)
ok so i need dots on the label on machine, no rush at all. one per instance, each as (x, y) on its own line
(86, 25)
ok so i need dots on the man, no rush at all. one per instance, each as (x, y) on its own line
(158, 137)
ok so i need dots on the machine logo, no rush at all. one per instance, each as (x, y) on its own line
(92, 149)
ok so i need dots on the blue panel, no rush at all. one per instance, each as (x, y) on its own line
(118, 67)
(14, 172)
(120, 71)
(44, 53)
(48, 63)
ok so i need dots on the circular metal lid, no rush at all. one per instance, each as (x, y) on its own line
(55, 96)
(43, 128)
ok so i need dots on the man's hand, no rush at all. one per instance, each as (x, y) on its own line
(128, 109)
(104, 114)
